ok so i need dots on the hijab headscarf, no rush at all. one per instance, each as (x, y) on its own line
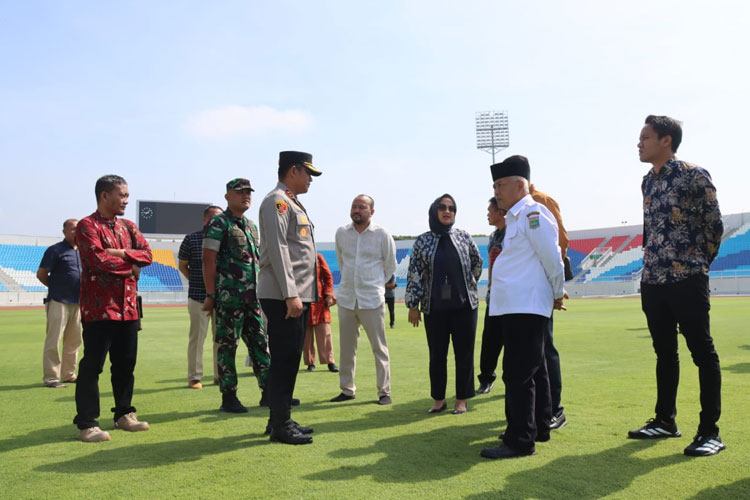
(435, 225)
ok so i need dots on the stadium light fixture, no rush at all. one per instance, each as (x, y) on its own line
(493, 133)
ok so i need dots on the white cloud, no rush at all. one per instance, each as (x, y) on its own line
(239, 121)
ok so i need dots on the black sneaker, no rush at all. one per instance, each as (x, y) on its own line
(485, 388)
(655, 429)
(558, 421)
(230, 403)
(705, 446)
(333, 368)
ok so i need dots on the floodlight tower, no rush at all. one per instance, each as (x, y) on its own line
(492, 131)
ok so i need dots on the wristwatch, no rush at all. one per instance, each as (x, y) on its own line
(211, 296)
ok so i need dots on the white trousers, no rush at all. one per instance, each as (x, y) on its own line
(373, 321)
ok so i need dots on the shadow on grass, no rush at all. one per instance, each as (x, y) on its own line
(584, 477)
(66, 433)
(643, 329)
(31, 386)
(427, 456)
(738, 489)
(397, 414)
(738, 368)
(143, 456)
(745, 347)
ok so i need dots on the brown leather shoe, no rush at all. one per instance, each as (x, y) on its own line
(195, 384)
(93, 435)
(130, 423)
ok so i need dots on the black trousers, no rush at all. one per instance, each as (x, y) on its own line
(492, 345)
(120, 340)
(285, 339)
(685, 303)
(553, 370)
(440, 326)
(390, 302)
(528, 408)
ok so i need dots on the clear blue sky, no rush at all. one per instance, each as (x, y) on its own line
(180, 96)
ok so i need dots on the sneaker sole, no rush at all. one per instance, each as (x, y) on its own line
(706, 451)
(657, 436)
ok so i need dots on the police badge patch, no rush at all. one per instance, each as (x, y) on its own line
(281, 207)
(533, 218)
(303, 232)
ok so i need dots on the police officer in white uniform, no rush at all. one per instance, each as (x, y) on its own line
(527, 283)
(287, 286)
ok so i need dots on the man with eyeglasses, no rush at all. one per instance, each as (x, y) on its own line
(286, 287)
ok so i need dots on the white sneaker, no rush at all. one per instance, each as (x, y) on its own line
(93, 435)
(130, 423)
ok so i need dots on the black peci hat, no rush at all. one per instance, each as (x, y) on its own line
(513, 165)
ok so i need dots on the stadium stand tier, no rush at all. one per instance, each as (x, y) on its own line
(605, 261)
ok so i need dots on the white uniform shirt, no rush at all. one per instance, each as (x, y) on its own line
(366, 260)
(528, 274)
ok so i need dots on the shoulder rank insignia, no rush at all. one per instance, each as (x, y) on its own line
(281, 207)
(533, 218)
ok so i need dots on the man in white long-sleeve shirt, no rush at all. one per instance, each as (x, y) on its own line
(366, 255)
(527, 283)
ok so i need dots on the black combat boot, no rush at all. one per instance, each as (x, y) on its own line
(231, 404)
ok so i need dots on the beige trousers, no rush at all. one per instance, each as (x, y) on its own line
(63, 321)
(196, 338)
(325, 347)
(373, 321)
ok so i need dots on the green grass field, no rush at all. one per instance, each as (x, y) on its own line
(362, 450)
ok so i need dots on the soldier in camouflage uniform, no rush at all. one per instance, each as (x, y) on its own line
(230, 271)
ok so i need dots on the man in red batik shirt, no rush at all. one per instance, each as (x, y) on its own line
(112, 253)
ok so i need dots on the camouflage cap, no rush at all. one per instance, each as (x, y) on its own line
(239, 184)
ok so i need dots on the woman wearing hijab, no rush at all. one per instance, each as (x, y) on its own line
(443, 271)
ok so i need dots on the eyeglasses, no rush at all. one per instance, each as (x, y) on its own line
(450, 208)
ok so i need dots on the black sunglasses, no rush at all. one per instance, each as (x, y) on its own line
(443, 207)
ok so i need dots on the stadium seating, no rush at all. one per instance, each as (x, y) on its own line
(579, 249)
(21, 262)
(594, 259)
(162, 275)
(734, 255)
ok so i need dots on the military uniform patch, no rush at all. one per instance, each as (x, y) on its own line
(303, 232)
(281, 207)
(533, 218)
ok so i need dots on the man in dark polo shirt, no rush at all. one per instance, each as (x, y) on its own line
(190, 263)
(60, 272)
